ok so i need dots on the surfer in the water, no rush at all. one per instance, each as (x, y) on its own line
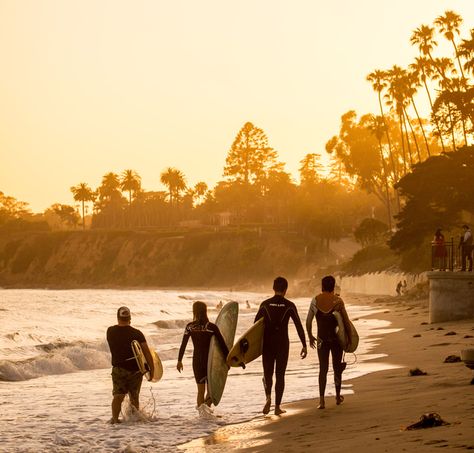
(277, 312)
(201, 332)
(322, 308)
(126, 377)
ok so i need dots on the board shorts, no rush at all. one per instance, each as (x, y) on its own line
(126, 381)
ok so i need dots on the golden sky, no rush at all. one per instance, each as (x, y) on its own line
(92, 86)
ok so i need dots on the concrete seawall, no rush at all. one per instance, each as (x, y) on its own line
(451, 296)
(379, 283)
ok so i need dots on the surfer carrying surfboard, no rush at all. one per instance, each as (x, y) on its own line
(322, 308)
(276, 313)
(201, 331)
(126, 377)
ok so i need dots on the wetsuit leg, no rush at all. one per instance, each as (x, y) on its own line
(336, 353)
(268, 360)
(323, 356)
(281, 363)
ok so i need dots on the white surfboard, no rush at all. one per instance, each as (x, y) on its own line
(143, 365)
(216, 366)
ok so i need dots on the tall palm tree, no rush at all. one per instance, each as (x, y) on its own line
(130, 182)
(200, 189)
(83, 193)
(395, 98)
(445, 67)
(377, 127)
(423, 37)
(466, 50)
(422, 69)
(110, 185)
(379, 81)
(175, 181)
(412, 83)
(448, 25)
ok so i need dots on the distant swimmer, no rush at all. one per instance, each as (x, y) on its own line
(277, 312)
(201, 331)
(219, 305)
(126, 377)
(322, 308)
(247, 304)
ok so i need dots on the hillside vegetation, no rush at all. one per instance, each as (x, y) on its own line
(154, 259)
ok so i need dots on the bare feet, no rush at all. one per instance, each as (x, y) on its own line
(321, 405)
(114, 421)
(266, 408)
(279, 410)
(339, 399)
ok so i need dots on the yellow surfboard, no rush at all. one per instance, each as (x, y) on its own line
(248, 347)
(347, 346)
(143, 365)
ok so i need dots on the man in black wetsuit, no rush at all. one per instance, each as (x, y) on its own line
(126, 377)
(276, 312)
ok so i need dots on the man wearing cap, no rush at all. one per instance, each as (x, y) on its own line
(126, 377)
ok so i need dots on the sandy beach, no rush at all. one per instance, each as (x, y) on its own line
(374, 418)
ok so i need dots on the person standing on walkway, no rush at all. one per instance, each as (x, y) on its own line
(322, 308)
(465, 245)
(276, 313)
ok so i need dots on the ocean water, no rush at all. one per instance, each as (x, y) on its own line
(55, 384)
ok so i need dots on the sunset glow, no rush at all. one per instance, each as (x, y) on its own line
(90, 87)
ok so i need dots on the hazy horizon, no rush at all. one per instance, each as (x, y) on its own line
(90, 87)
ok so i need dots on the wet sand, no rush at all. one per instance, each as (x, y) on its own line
(384, 403)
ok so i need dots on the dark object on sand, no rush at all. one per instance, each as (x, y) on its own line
(440, 328)
(468, 336)
(452, 359)
(417, 372)
(429, 420)
(416, 335)
(424, 323)
(451, 332)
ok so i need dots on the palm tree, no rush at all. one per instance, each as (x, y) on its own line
(445, 66)
(422, 69)
(83, 193)
(412, 83)
(175, 181)
(130, 182)
(395, 98)
(423, 37)
(449, 25)
(466, 50)
(200, 189)
(110, 185)
(377, 127)
(379, 82)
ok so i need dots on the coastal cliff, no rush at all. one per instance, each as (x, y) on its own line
(151, 259)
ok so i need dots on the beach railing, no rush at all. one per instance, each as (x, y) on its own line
(445, 257)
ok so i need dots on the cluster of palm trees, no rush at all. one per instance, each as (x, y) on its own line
(398, 86)
(448, 85)
(108, 199)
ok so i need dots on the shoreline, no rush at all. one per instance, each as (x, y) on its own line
(384, 402)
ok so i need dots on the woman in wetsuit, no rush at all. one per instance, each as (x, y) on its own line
(201, 331)
(322, 308)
